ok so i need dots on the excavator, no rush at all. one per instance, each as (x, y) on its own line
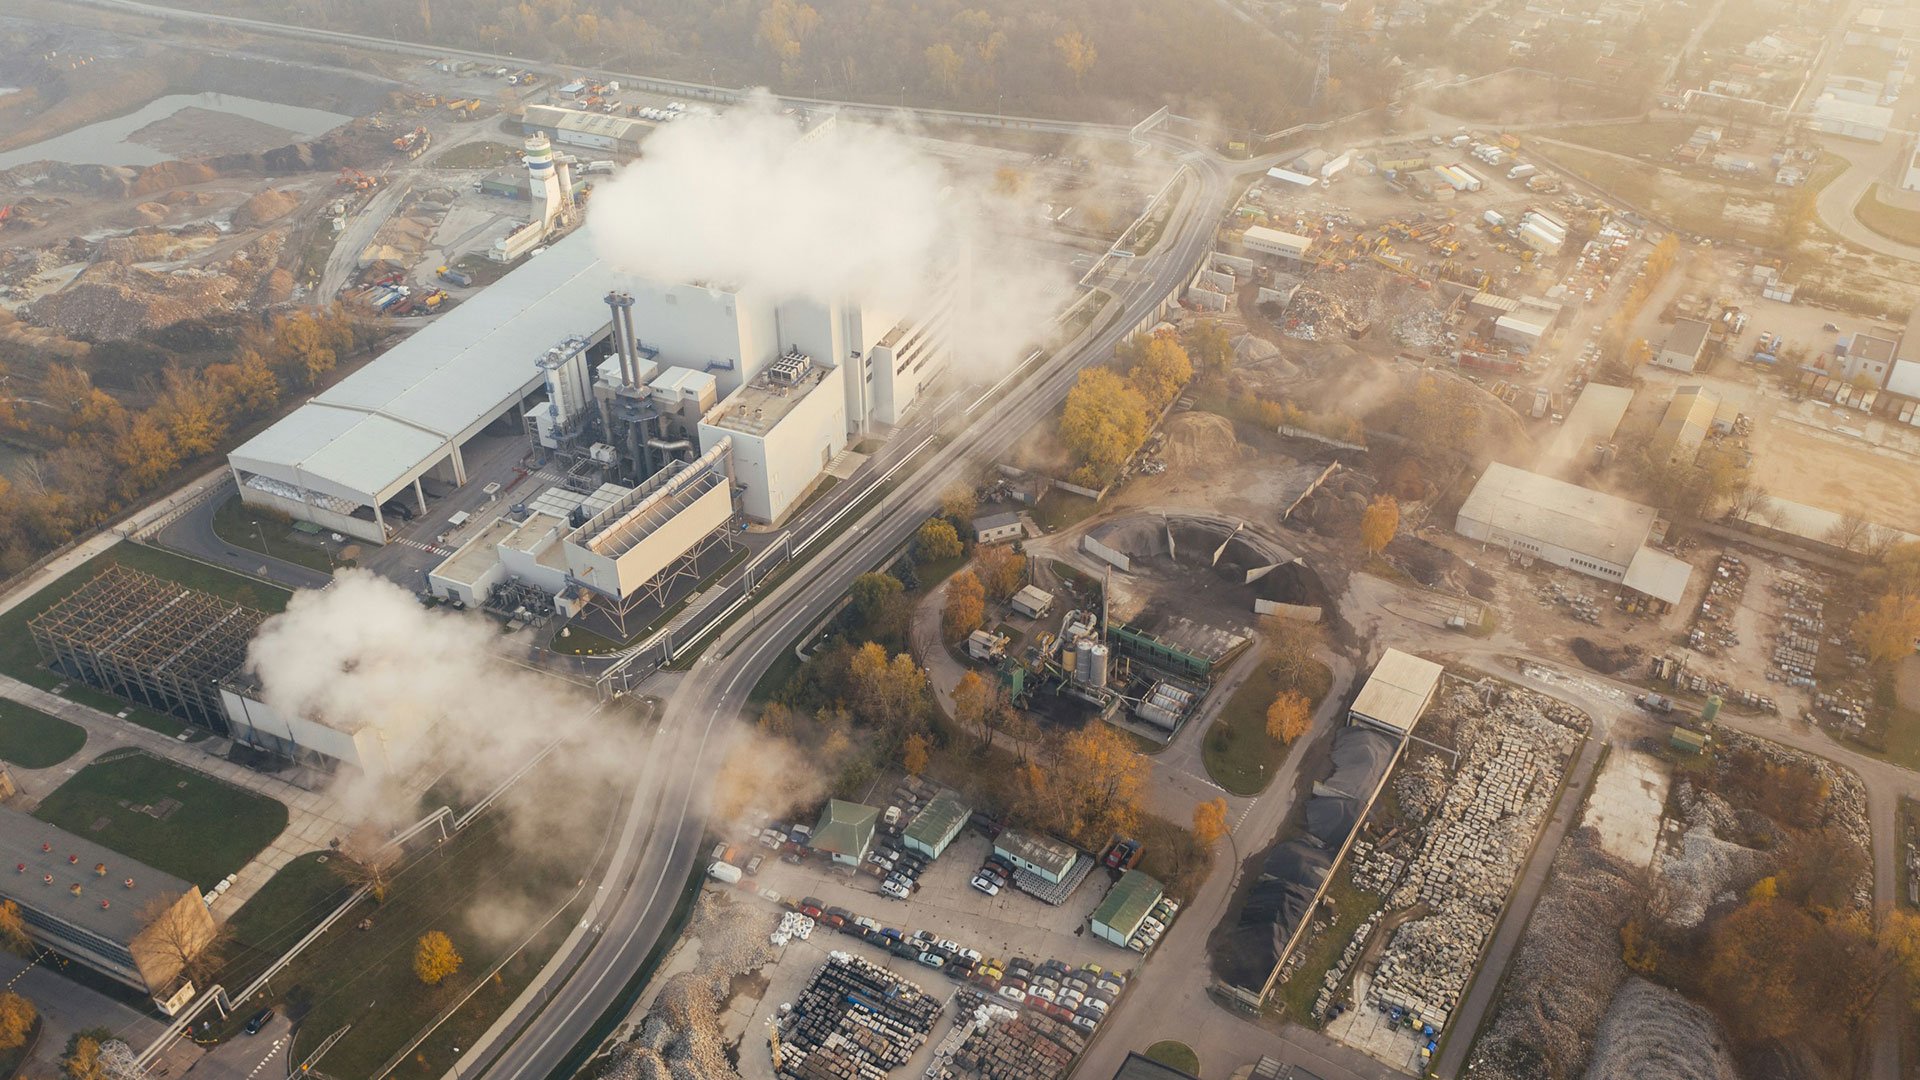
(351, 177)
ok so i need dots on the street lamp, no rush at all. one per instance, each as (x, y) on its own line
(262, 534)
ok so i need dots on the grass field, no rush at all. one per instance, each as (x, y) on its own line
(1650, 139)
(18, 657)
(1175, 1055)
(477, 155)
(248, 527)
(1893, 222)
(365, 977)
(31, 739)
(1239, 754)
(1350, 906)
(214, 829)
(296, 898)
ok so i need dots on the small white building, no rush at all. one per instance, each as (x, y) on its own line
(1685, 342)
(1525, 330)
(986, 645)
(1273, 242)
(997, 528)
(1032, 601)
(1399, 690)
(1044, 857)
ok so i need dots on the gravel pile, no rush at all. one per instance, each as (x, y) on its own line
(1652, 1033)
(1565, 971)
(681, 1035)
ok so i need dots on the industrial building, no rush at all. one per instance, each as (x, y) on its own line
(1126, 906)
(1399, 690)
(1565, 525)
(786, 426)
(1684, 428)
(150, 641)
(845, 831)
(102, 910)
(324, 745)
(1589, 427)
(936, 825)
(574, 128)
(1869, 357)
(1283, 245)
(1032, 601)
(1685, 342)
(1834, 114)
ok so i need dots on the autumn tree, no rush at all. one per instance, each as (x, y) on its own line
(958, 502)
(1103, 423)
(914, 754)
(1378, 522)
(936, 541)
(1159, 369)
(1289, 716)
(1887, 631)
(1077, 54)
(974, 706)
(889, 692)
(434, 958)
(1211, 347)
(1209, 822)
(943, 64)
(305, 349)
(1443, 415)
(966, 606)
(1001, 570)
(1103, 781)
(1778, 971)
(13, 930)
(367, 860)
(182, 936)
(17, 1017)
(776, 719)
(1292, 645)
(82, 1059)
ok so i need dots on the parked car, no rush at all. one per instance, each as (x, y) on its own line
(1084, 1024)
(259, 1020)
(986, 885)
(835, 916)
(925, 936)
(1093, 1003)
(891, 933)
(811, 907)
(904, 949)
(865, 923)
(753, 864)
(933, 960)
(1013, 993)
(894, 890)
(971, 956)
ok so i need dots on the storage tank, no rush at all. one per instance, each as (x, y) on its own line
(1090, 664)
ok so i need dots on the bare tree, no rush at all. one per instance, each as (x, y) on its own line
(1750, 501)
(182, 936)
(1877, 541)
(367, 860)
(1846, 533)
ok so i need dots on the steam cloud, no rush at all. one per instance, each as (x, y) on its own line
(864, 212)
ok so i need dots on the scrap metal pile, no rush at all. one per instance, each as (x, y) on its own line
(854, 1020)
(999, 1044)
(1712, 628)
(1514, 746)
(682, 1036)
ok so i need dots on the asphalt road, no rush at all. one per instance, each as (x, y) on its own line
(193, 535)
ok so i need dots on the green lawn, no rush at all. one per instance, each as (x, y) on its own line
(1239, 754)
(1175, 1055)
(209, 829)
(477, 155)
(297, 897)
(1652, 138)
(365, 977)
(21, 660)
(1893, 222)
(31, 739)
(1058, 509)
(250, 527)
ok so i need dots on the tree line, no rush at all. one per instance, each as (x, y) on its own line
(105, 456)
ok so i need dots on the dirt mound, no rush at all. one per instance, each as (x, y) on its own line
(1197, 438)
(110, 301)
(1652, 1033)
(146, 213)
(267, 207)
(154, 245)
(1602, 659)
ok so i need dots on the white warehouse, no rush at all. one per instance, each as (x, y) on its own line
(1285, 245)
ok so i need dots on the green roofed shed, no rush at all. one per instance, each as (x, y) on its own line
(1126, 906)
(937, 823)
(845, 831)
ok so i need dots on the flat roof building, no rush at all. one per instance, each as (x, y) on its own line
(1044, 857)
(1032, 601)
(1591, 422)
(786, 426)
(109, 913)
(995, 528)
(1399, 690)
(1685, 342)
(936, 825)
(1267, 241)
(586, 130)
(1539, 517)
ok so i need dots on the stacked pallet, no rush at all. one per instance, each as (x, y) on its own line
(1026, 1047)
(854, 1021)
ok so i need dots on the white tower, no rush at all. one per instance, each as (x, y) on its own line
(543, 183)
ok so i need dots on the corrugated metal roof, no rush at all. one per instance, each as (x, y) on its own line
(1398, 689)
(1658, 574)
(939, 819)
(1128, 902)
(408, 405)
(1587, 522)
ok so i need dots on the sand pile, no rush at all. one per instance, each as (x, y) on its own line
(1197, 438)
(111, 302)
(146, 213)
(265, 208)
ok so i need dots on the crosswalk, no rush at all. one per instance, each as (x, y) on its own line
(272, 1053)
(429, 548)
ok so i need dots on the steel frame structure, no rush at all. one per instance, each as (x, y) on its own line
(153, 642)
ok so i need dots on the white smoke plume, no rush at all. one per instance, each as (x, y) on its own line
(862, 211)
(364, 653)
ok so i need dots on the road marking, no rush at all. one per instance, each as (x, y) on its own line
(268, 1060)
